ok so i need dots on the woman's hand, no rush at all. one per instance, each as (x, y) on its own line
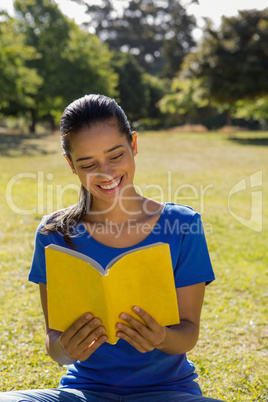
(144, 337)
(83, 337)
(175, 339)
(78, 342)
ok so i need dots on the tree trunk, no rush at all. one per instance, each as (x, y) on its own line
(188, 119)
(33, 122)
(228, 119)
(51, 123)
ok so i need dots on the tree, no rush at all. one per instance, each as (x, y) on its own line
(71, 62)
(156, 89)
(18, 82)
(186, 98)
(178, 40)
(157, 32)
(87, 68)
(257, 110)
(132, 90)
(233, 61)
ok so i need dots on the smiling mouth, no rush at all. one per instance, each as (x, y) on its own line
(112, 185)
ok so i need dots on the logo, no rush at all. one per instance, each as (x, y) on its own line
(254, 185)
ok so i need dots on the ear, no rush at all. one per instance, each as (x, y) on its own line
(70, 163)
(134, 142)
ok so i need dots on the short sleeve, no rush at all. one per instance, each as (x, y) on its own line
(193, 265)
(38, 269)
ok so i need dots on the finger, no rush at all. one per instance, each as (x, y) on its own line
(92, 347)
(150, 330)
(134, 340)
(83, 340)
(83, 337)
(136, 337)
(136, 324)
(87, 329)
(75, 327)
(90, 338)
(147, 318)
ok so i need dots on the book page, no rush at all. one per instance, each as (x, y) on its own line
(73, 288)
(76, 254)
(144, 278)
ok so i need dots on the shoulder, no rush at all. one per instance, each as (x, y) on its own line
(52, 222)
(60, 226)
(180, 211)
(181, 219)
(41, 233)
(42, 223)
(49, 224)
(46, 235)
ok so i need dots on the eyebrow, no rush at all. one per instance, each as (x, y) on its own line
(106, 152)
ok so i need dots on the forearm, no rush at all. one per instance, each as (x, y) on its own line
(180, 338)
(56, 350)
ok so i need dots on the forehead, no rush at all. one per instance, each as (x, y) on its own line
(98, 138)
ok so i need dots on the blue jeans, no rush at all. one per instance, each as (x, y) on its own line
(74, 395)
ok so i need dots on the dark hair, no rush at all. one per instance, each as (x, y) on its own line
(86, 112)
(83, 113)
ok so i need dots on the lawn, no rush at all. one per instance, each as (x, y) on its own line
(222, 176)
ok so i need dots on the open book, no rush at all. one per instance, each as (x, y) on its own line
(77, 284)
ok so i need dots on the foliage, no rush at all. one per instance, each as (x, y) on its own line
(132, 90)
(157, 33)
(71, 61)
(233, 61)
(137, 91)
(18, 82)
(156, 88)
(186, 99)
(47, 61)
(257, 110)
(87, 67)
(178, 37)
(228, 71)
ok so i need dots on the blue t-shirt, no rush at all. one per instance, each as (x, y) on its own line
(120, 368)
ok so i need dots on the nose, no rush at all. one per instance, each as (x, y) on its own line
(105, 172)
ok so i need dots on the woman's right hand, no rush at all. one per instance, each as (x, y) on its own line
(78, 342)
(83, 337)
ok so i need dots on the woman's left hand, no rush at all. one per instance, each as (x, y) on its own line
(144, 337)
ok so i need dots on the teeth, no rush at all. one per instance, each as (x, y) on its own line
(113, 185)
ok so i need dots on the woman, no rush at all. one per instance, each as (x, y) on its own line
(148, 363)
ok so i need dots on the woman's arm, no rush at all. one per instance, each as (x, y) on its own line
(78, 342)
(183, 337)
(177, 339)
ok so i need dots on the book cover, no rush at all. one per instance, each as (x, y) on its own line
(77, 284)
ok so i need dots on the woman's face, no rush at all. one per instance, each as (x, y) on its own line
(103, 159)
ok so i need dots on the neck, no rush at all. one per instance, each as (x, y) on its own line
(130, 207)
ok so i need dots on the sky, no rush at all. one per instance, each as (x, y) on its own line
(206, 8)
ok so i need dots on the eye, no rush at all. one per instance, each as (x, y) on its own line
(117, 156)
(89, 166)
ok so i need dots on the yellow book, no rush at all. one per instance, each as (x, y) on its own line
(77, 284)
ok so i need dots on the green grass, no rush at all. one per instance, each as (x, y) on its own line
(194, 169)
